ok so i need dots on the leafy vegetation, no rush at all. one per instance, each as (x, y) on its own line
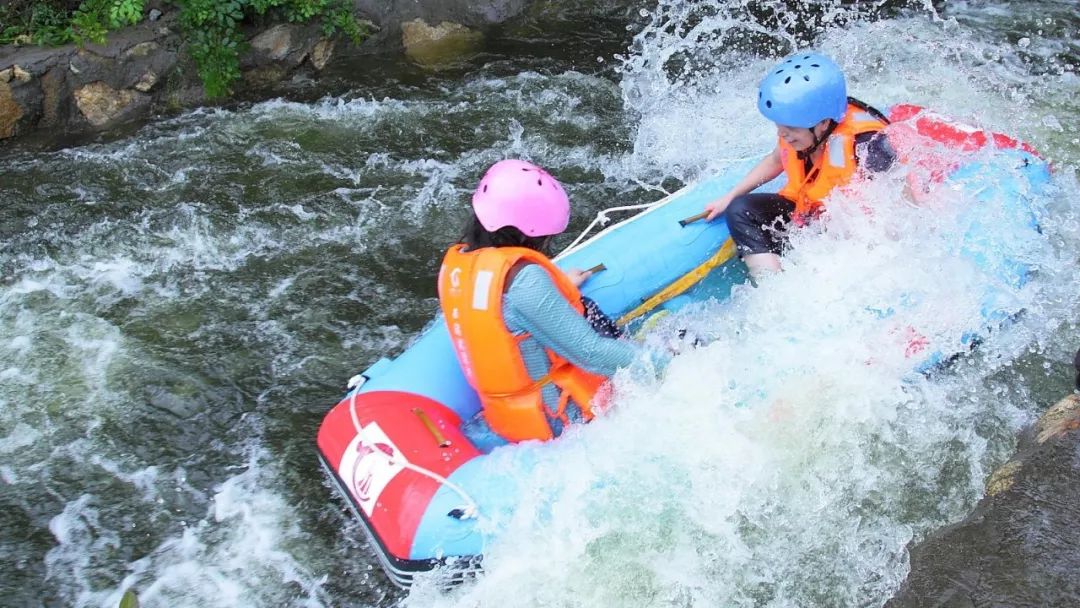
(56, 22)
(210, 27)
(215, 42)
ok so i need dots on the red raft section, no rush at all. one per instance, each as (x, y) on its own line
(390, 469)
(924, 123)
(928, 143)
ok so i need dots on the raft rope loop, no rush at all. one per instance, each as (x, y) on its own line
(468, 511)
(602, 217)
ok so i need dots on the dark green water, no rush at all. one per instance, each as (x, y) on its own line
(180, 306)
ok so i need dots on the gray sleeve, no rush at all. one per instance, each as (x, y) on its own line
(535, 305)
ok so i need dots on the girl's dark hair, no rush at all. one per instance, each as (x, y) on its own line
(478, 237)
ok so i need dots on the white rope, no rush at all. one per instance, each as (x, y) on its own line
(469, 511)
(602, 219)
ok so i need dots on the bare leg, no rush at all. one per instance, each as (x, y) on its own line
(761, 265)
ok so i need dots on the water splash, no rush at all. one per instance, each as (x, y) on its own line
(790, 462)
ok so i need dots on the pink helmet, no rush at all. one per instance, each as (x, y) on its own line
(520, 194)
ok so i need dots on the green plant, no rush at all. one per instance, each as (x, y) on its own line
(125, 12)
(210, 27)
(57, 22)
(214, 42)
(88, 22)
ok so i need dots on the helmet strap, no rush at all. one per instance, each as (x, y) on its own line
(804, 155)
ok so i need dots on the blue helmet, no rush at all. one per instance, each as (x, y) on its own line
(802, 90)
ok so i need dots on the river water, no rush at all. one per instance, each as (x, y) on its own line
(181, 304)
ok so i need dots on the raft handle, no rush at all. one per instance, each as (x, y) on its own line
(430, 426)
(693, 218)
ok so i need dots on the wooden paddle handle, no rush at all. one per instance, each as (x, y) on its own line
(430, 426)
(693, 218)
(597, 268)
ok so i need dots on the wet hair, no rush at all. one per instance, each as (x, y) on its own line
(478, 237)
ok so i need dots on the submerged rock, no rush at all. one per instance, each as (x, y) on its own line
(441, 44)
(1021, 545)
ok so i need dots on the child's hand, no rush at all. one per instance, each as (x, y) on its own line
(577, 277)
(717, 207)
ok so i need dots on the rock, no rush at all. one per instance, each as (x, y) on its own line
(141, 50)
(54, 93)
(265, 76)
(467, 12)
(101, 104)
(1003, 479)
(442, 44)
(1018, 547)
(275, 42)
(154, 15)
(321, 53)
(147, 82)
(15, 73)
(10, 111)
(1058, 420)
(1076, 364)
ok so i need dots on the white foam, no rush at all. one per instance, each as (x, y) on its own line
(794, 458)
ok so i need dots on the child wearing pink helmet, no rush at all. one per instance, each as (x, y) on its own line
(518, 323)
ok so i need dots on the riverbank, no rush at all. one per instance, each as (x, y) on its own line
(62, 94)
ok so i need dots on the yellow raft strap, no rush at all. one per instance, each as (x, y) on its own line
(725, 253)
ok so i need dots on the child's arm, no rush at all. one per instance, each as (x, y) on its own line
(766, 170)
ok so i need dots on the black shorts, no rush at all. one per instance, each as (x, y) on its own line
(758, 222)
(598, 319)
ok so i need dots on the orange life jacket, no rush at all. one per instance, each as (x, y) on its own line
(807, 189)
(471, 288)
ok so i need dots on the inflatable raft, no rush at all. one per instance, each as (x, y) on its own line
(394, 445)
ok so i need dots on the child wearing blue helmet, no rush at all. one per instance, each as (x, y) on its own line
(822, 134)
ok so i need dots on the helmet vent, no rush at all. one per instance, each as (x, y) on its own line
(806, 78)
(798, 67)
(485, 187)
(814, 65)
(768, 104)
(539, 182)
(787, 80)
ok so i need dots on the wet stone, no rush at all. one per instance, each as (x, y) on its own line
(101, 104)
(321, 53)
(10, 111)
(441, 44)
(1019, 546)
